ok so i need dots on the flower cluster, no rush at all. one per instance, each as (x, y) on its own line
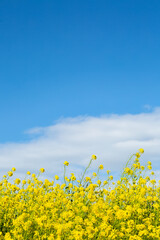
(85, 208)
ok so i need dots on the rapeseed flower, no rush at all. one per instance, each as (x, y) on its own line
(77, 210)
(17, 181)
(10, 174)
(101, 167)
(24, 182)
(73, 178)
(42, 170)
(56, 177)
(66, 163)
(141, 150)
(94, 157)
(138, 155)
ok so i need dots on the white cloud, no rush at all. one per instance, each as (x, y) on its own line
(113, 138)
(148, 107)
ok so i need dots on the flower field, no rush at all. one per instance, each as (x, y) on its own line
(85, 208)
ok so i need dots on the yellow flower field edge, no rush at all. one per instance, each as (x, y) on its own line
(85, 208)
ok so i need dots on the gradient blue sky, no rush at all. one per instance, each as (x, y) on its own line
(63, 59)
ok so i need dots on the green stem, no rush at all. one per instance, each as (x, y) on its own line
(126, 165)
(85, 171)
(98, 174)
(64, 174)
(145, 170)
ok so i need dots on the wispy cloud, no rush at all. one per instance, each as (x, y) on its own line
(148, 107)
(113, 138)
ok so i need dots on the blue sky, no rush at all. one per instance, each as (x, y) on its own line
(69, 58)
(78, 78)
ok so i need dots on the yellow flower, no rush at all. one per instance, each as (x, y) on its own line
(127, 170)
(13, 169)
(70, 185)
(73, 178)
(137, 155)
(63, 185)
(66, 163)
(28, 181)
(99, 182)
(101, 166)
(85, 208)
(136, 160)
(7, 236)
(94, 157)
(17, 181)
(33, 175)
(80, 206)
(141, 150)
(88, 179)
(131, 172)
(67, 179)
(56, 177)
(147, 178)
(10, 174)
(153, 181)
(42, 170)
(105, 182)
(23, 182)
(111, 177)
(149, 167)
(108, 171)
(28, 173)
